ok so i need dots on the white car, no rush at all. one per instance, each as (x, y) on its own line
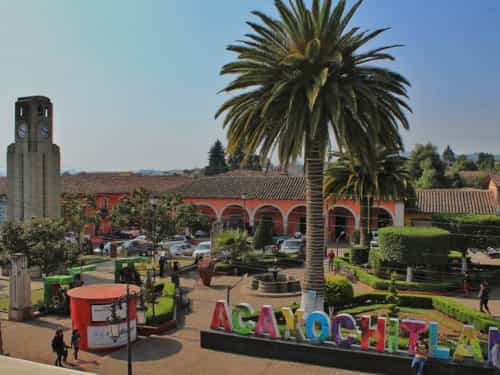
(140, 238)
(106, 250)
(202, 249)
(292, 246)
(493, 252)
(181, 249)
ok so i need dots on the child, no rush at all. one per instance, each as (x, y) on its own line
(75, 343)
(420, 357)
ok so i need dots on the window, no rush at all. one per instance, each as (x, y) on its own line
(104, 203)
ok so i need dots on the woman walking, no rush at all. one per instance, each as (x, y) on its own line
(420, 357)
(484, 297)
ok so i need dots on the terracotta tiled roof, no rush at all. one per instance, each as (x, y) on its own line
(496, 179)
(456, 201)
(251, 173)
(92, 183)
(266, 188)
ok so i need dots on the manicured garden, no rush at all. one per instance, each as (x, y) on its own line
(164, 306)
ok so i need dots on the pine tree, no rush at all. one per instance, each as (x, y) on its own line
(393, 298)
(449, 156)
(216, 160)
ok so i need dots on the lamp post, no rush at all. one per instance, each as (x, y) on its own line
(229, 288)
(243, 198)
(154, 205)
(116, 321)
(338, 240)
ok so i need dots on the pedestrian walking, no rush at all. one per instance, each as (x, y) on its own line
(59, 347)
(331, 259)
(484, 297)
(161, 263)
(420, 357)
(466, 283)
(75, 343)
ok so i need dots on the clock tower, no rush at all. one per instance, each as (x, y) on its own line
(33, 162)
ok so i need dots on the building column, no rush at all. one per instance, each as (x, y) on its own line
(285, 225)
(399, 215)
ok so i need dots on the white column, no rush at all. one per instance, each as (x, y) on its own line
(20, 289)
(399, 215)
(285, 225)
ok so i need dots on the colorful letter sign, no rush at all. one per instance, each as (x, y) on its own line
(220, 317)
(435, 350)
(321, 319)
(468, 345)
(415, 328)
(243, 310)
(493, 338)
(368, 331)
(294, 323)
(266, 325)
(343, 321)
(392, 334)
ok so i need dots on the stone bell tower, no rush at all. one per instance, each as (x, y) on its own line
(33, 162)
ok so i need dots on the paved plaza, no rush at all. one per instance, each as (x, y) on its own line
(176, 352)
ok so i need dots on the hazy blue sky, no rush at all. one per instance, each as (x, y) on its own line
(134, 83)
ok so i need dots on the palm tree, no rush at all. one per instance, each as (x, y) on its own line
(378, 173)
(302, 79)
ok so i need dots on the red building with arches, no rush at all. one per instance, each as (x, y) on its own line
(244, 201)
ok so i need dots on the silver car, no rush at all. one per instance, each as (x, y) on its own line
(181, 249)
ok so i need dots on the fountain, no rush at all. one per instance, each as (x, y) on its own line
(274, 281)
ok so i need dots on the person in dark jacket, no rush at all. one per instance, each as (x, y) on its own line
(59, 347)
(484, 297)
(75, 343)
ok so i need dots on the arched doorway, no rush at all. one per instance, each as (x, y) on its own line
(270, 214)
(206, 211)
(341, 224)
(235, 217)
(297, 220)
(381, 218)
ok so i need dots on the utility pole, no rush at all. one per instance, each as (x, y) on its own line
(129, 344)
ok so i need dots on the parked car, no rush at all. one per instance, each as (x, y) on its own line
(135, 247)
(493, 252)
(292, 246)
(142, 237)
(203, 249)
(181, 249)
(201, 233)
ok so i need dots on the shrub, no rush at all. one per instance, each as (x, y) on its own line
(393, 297)
(234, 242)
(164, 307)
(359, 254)
(479, 231)
(374, 261)
(413, 245)
(338, 291)
(263, 234)
(355, 237)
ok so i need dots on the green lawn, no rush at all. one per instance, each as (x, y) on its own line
(164, 307)
(36, 299)
(93, 259)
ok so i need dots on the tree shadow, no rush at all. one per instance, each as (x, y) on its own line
(150, 349)
(40, 322)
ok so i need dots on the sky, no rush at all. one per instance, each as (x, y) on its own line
(134, 83)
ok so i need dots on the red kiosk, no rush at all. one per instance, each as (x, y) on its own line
(91, 311)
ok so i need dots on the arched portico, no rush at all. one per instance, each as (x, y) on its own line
(208, 210)
(234, 216)
(272, 213)
(296, 219)
(341, 219)
(381, 217)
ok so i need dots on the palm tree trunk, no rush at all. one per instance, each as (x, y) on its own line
(314, 278)
(363, 222)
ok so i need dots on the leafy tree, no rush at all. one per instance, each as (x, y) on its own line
(425, 158)
(154, 216)
(449, 156)
(263, 233)
(187, 217)
(79, 210)
(464, 164)
(300, 78)
(216, 160)
(42, 241)
(485, 161)
(376, 174)
(234, 242)
(238, 160)
(456, 181)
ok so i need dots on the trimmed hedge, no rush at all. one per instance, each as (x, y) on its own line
(476, 231)
(383, 284)
(359, 254)
(414, 245)
(338, 290)
(447, 306)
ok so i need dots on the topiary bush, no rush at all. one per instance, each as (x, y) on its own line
(263, 234)
(414, 245)
(374, 261)
(338, 291)
(359, 254)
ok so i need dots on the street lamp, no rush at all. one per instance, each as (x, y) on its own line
(243, 198)
(116, 321)
(154, 204)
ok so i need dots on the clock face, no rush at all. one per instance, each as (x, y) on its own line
(44, 132)
(22, 131)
